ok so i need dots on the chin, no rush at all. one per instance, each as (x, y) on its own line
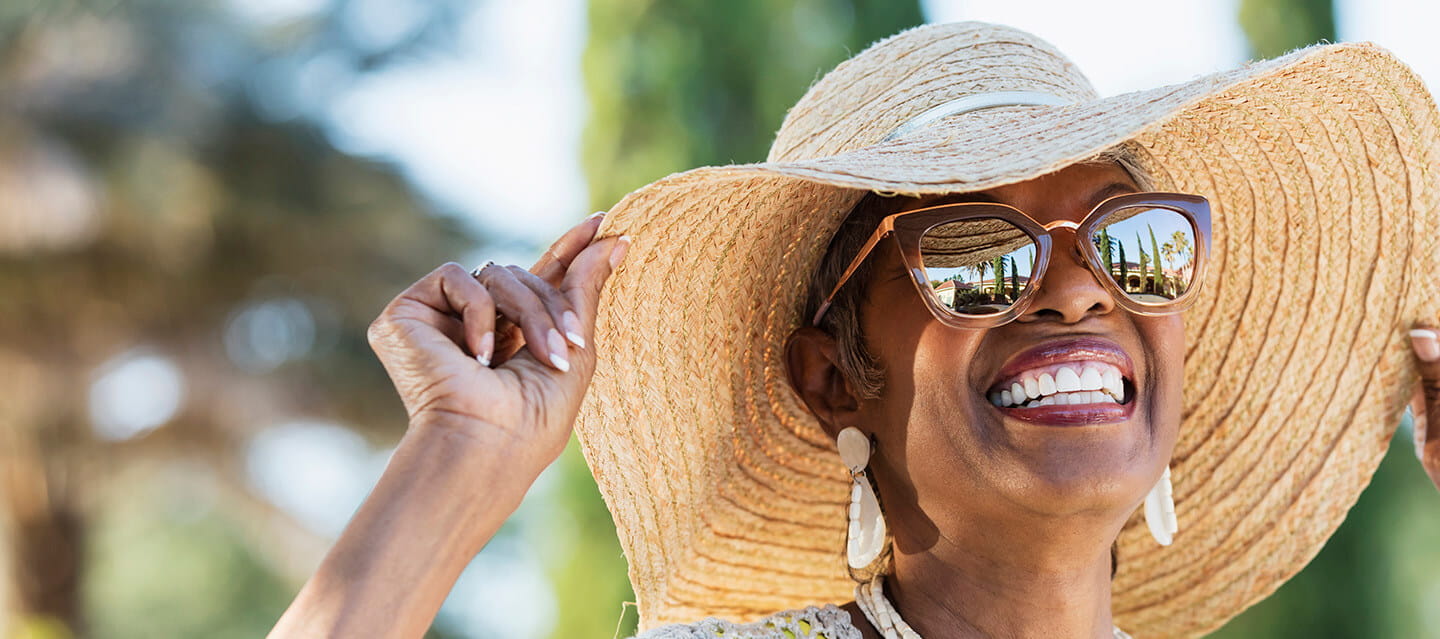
(1073, 466)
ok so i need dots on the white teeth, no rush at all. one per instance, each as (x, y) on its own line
(1032, 387)
(1067, 380)
(1094, 383)
(1047, 385)
(1114, 384)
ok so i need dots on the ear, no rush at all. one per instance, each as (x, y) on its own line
(812, 359)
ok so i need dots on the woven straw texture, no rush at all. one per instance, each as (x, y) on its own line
(1321, 167)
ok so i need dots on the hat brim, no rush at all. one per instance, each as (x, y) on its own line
(1321, 168)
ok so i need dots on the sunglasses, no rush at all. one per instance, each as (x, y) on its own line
(979, 264)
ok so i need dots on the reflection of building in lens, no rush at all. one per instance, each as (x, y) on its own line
(958, 294)
(1134, 277)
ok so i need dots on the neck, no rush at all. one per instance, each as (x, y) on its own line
(1015, 584)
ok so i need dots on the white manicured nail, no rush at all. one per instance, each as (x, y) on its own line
(487, 349)
(556, 344)
(617, 254)
(1427, 347)
(572, 328)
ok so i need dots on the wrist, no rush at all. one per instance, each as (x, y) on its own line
(442, 496)
(492, 453)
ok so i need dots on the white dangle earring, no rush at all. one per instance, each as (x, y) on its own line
(1160, 510)
(867, 524)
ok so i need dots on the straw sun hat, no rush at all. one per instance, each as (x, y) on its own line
(1321, 167)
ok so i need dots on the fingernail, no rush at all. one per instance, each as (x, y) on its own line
(596, 214)
(617, 254)
(572, 328)
(556, 344)
(487, 348)
(1427, 347)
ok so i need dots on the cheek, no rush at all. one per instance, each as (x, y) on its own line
(1165, 337)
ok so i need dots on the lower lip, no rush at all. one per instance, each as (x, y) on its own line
(1071, 415)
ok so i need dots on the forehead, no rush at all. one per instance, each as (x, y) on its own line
(1065, 194)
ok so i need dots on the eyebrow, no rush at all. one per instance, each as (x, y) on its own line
(1110, 190)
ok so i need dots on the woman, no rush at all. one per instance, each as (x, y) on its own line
(953, 406)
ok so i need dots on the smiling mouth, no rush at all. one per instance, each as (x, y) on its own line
(1071, 384)
(1067, 383)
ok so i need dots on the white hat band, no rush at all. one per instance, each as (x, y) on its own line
(975, 102)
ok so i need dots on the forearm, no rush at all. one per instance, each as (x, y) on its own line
(439, 501)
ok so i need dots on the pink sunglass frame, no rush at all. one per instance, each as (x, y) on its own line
(907, 228)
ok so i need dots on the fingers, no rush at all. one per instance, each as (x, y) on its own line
(552, 319)
(476, 309)
(562, 313)
(522, 305)
(1426, 344)
(435, 300)
(587, 275)
(556, 260)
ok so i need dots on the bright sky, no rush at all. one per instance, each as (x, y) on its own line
(1122, 45)
(491, 132)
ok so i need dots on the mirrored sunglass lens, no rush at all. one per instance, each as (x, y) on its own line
(1149, 252)
(978, 266)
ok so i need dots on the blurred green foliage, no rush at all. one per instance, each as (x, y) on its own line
(1274, 27)
(675, 85)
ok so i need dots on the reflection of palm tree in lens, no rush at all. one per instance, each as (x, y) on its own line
(997, 268)
(1159, 287)
(1124, 271)
(1183, 253)
(1107, 250)
(979, 271)
(1139, 246)
(1014, 279)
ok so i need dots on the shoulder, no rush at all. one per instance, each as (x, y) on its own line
(826, 622)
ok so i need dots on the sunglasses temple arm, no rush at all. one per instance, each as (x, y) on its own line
(850, 270)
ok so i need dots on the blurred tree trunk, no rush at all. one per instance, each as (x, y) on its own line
(46, 538)
(1273, 27)
(672, 86)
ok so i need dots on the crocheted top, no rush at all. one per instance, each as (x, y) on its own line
(828, 622)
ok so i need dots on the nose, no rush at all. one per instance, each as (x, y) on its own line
(1068, 291)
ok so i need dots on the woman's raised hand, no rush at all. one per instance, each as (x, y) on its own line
(503, 356)
(492, 399)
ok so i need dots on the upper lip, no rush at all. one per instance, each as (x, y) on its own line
(1071, 349)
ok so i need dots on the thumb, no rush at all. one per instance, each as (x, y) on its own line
(587, 275)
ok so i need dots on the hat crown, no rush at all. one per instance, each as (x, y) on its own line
(896, 79)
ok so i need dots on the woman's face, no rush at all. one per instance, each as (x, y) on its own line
(946, 455)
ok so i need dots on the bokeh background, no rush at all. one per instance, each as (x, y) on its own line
(204, 202)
